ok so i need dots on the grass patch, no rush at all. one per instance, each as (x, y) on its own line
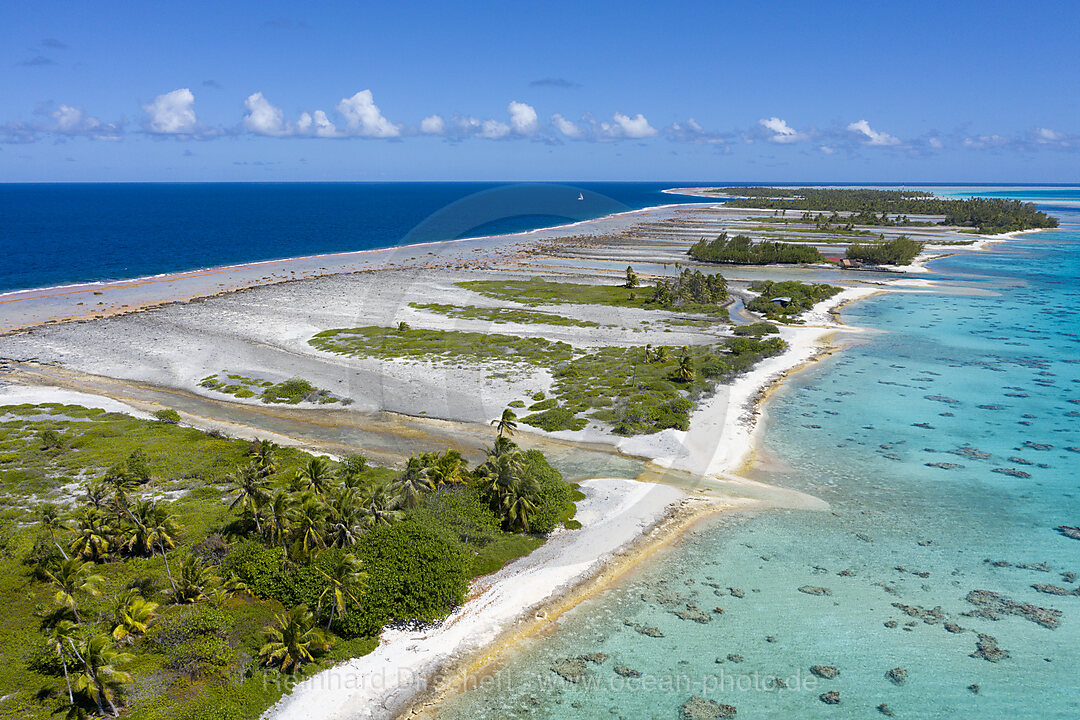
(501, 316)
(289, 392)
(454, 346)
(537, 291)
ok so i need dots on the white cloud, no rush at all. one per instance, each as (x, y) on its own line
(936, 143)
(318, 126)
(494, 130)
(364, 118)
(692, 132)
(433, 125)
(523, 118)
(73, 121)
(1046, 135)
(873, 136)
(827, 150)
(985, 141)
(628, 127)
(566, 127)
(172, 113)
(781, 131)
(263, 118)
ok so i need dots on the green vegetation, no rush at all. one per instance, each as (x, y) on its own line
(880, 207)
(538, 291)
(758, 329)
(898, 251)
(263, 560)
(502, 315)
(644, 390)
(742, 251)
(290, 392)
(803, 296)
(167, 416)
(452, 346)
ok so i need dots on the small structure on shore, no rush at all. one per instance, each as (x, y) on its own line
(781, 301)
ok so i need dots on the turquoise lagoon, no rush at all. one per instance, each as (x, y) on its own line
(941, 439)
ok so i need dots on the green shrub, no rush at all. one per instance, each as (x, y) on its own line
(756, 329)
(544, 404)
(290, 392)
(168, 415)
(415, 573)
(898, 251)
(554, 419)
(257, 566)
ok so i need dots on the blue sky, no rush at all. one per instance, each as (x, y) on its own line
(783, 91)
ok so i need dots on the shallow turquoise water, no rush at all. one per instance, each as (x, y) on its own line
(988, 372)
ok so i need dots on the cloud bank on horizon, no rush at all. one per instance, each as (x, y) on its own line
(173, 115)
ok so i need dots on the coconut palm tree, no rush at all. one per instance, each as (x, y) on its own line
(507, 423)
(97, 495)
(278, 514)
(379, 508)
(120, 484)
(52, 522)
(518, 502)
(153, 526)
(685, 370)
(499, 470)
(292, 640)
(343, 526)
(413, 483)
(70, 578)
(265, 456)
(501, 446)
(309, 523)
(252, 488)
(316, 475)
(345, 581)
(103, 673)
(196, 581)
(133, 615)
(58, 639)
(447, 469)
(92, 540)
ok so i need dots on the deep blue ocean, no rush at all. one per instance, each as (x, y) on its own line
(57, 234)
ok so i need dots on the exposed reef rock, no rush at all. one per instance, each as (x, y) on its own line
(815, 590)
(993, 605)
(1013, 472)
(826, 672)
(1055, 590)
(645, 630)
(930, 617)
(830, 698)
(987, 649)
(697, 708)
(897, 676)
